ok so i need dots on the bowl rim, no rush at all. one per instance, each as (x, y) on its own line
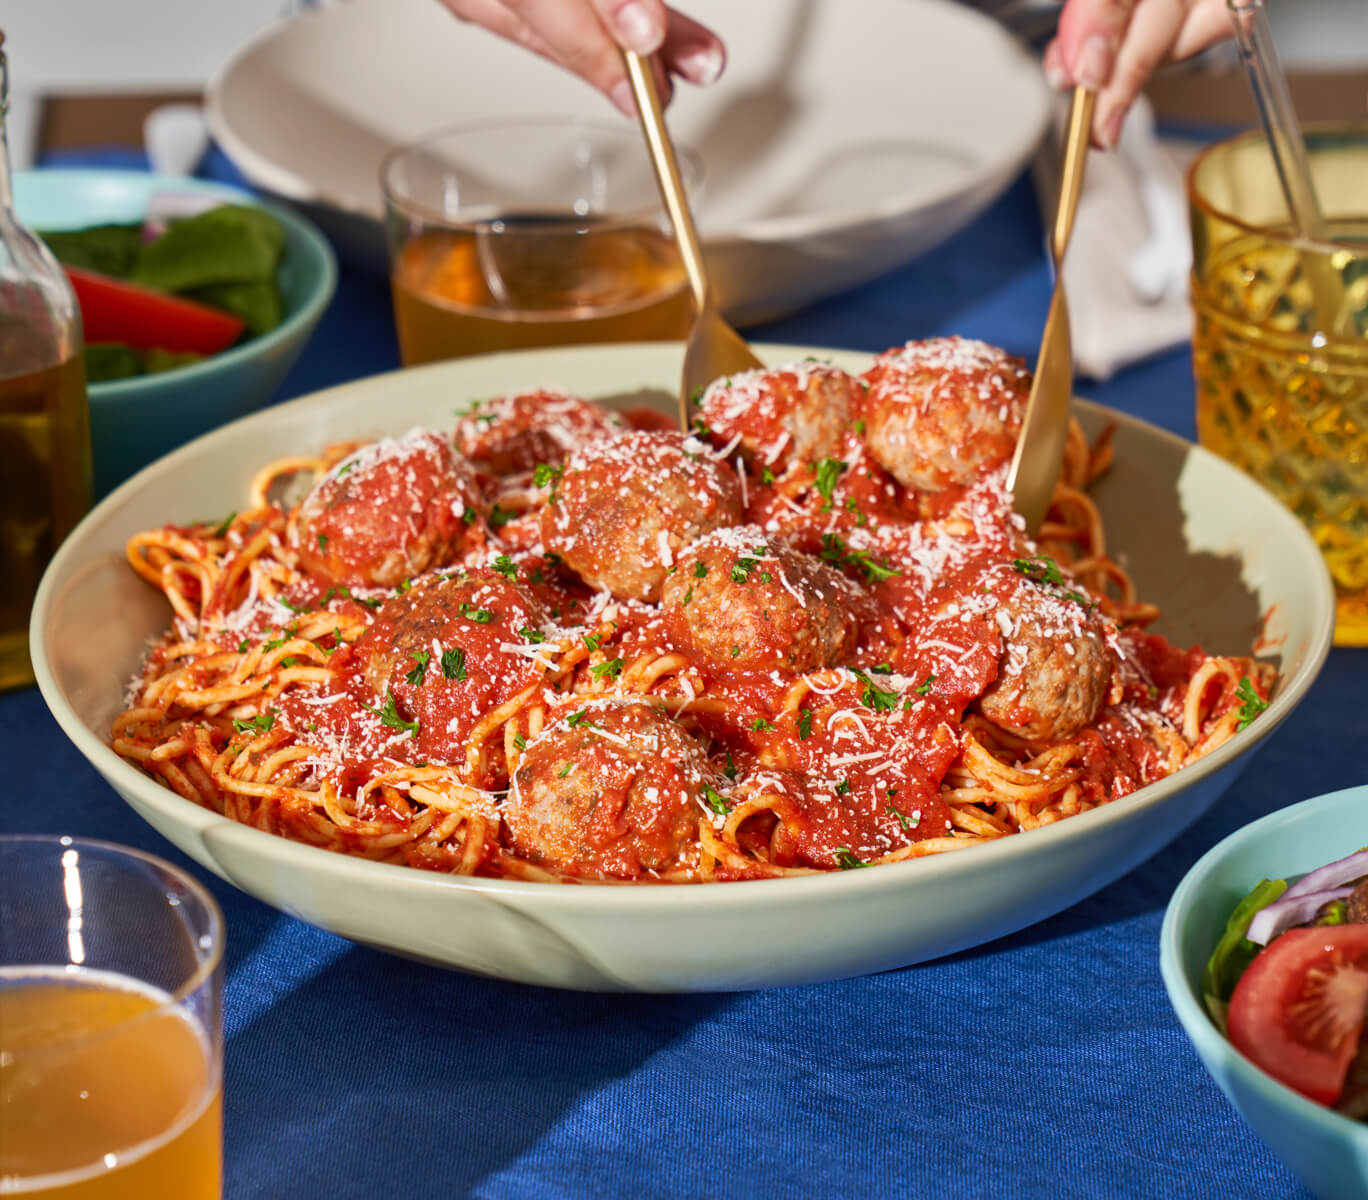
(1209, 1042)
(653, 899)
(280, 180)
(293, 326)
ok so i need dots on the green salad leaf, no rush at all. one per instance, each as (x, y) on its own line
(109, 249)
(233, 243)
(1234, 952)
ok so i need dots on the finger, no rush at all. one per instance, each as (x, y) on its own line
(638, 25)
(578, 40)
(1148, 43)
(1090, 31)
(492, 15)
(693, 51)
(1206, 25)
(1052, 63)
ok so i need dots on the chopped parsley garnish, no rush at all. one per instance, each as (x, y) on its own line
(827, 471)
(221, 529)
(924, 688)
(700, 570)
(285, 635)
(294, 608)
(759, 725)
(804, 724)
(876, 697)
(469, 516)
(1046, 571)
(700, 427)
(481, 616)
(687, 596)
(736, 651)
(859, 427)
(520, 741)
(564, 771)
(744, 565)
(716, 801)
(505, 566)
(1253, 704)
(882, 669)
(892, 810)
(322, 541)
(528, 634)
(347, 469)
(843, 788)
(547, 474)
(404, 586)
(591, 640)
(289, 661)
(339, 643)
(576, 719)
(846, 860)
(389, 715)
(610, 669)
(853, 505)
(696, 396)
(730, 770)
(453, 664)
(419, 673)
(244, 646)
(836, 552)
(766, 475)
(262, 723)
(498, 518)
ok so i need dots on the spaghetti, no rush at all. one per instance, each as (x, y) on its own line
(583, 648)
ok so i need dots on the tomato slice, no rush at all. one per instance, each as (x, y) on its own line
(115, 311)
(1298, 1010)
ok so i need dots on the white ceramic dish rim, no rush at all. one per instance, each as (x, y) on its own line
(266, 173)
(255, 348)
(1192, 1013)
(657, 898)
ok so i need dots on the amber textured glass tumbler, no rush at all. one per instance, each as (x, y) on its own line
(1280, 347)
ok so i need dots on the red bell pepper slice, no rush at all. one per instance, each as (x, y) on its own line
(115, 311)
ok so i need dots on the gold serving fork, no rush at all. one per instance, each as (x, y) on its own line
(714, 348)
(1045, 428)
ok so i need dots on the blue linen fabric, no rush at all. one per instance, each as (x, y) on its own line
(1045, 1064)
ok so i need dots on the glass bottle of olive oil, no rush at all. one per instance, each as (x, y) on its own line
(45, 477)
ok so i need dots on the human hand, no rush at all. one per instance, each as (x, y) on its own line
(1114, 46)
(584, 36)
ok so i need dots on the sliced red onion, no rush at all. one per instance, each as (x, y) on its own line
(1289, 910)
(1344, 870)
(165, 207)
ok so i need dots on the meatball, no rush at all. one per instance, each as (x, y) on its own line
(748, 602)
(516, 433)
(1056, 669)
(797, 413)
(612, 789)
(391, 510)
(624, 508)
(940, 413)
(437, 650)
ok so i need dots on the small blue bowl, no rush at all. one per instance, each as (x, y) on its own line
(134, 421)
(1328, 1152)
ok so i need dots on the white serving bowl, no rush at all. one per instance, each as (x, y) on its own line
(844, 137)
(1224, 559)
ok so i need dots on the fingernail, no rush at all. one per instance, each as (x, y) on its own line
(636, 30)
(701, 66)
(623, 99)
(1056, 77)
(1110, 131)
(1095, 62)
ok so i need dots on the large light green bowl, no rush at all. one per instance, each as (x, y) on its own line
(1225, 560)
(1328, 1152)
(134, 421)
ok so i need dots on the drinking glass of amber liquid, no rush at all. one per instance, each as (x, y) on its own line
(1280, 347)
(111, 1038)
(536, 232)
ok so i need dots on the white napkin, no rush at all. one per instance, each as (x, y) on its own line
(1126, 271)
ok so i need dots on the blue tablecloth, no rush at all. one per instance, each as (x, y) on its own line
(1045, 1064)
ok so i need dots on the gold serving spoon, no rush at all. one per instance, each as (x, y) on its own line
(714, 348)
(1045, 428)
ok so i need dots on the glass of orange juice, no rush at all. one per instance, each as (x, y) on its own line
(1280, 345)
(111, 1033)
(536, 232)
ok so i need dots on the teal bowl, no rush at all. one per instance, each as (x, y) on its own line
(1326, 1151)
(135, 421)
